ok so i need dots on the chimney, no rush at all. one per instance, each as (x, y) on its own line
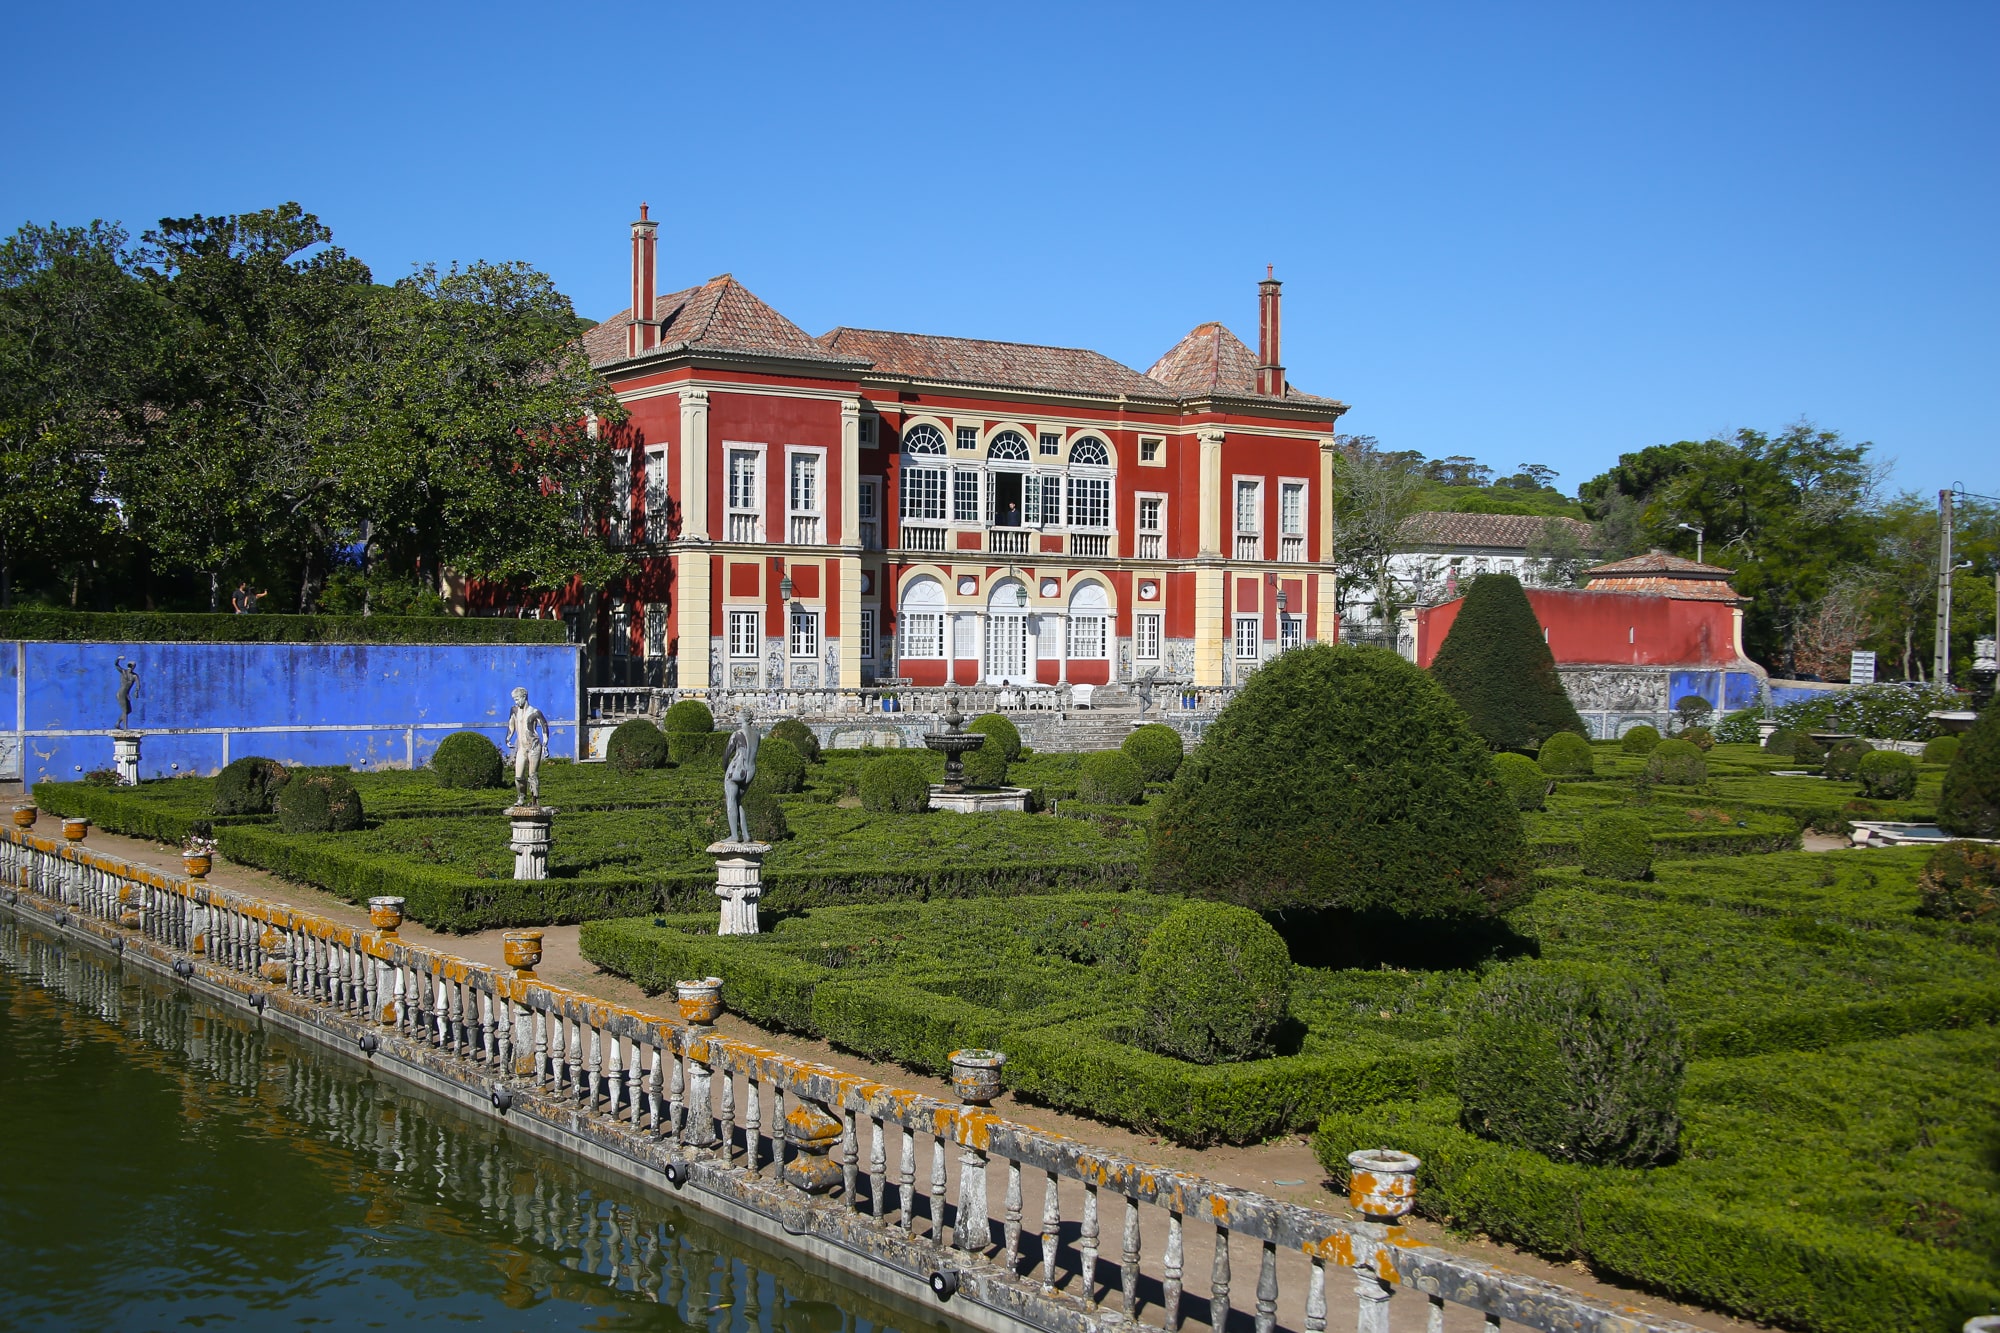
(644, 332)
(1270, 374)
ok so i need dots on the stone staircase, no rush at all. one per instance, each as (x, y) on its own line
(1075, 731)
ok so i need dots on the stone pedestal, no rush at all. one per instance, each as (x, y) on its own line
(125, 757)
(530, 840)
(739, 880)
(978, 801)
(814, 1132)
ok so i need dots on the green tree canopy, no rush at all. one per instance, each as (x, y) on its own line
(1497, 666)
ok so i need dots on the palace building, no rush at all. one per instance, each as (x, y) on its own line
(867, 506)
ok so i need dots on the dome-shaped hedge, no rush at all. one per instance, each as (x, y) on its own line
(1110, 777)
(1525, 780)
(1617, 846)
(1639, 740)
(800, 737)
(1157, 749)
(1566, 755)
(1970, 804)
(319, 803)
(636, 744)
(1941, 749)
(1000, 733)
(1843, 758)
(1342, 777)
(466, 759)
(895, 784)
(1887, 775)
(1783, 742)
(987, 765)
(689, 715)
(249, 786)
(1496, 664)
(1214, 982)
(780, 767)
(1581, 1064)
(1676, 762)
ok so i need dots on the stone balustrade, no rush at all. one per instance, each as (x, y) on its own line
(890, 1184)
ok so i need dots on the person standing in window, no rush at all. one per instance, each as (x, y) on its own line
(1013, 516)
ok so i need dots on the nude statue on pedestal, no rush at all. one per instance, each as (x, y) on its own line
(528, 738)
(739, 766)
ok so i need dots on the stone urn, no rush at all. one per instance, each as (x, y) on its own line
(1382, 1183)
(24, 815)
(385, 914)
(197, 864)
(522, 950)
(75, 827)
(975, 1075)
(700, 1001)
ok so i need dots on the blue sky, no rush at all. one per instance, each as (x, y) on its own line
(1530, 233)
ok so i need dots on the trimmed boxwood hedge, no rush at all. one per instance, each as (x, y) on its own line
(1677, 763)
(1617, 846)
(469, 760)
(689, 715)
(218, 627)
(895, 784)
(318, 802)
(1567, 755)
(781, 769)
(1157, 749)
(1969, 806)
(1495, 662)
(636, 744)
(1110, 777)
(1001, 734)
(249, 786)
(799, 736)
(1886, 775)
(1525, 780)
(1639, 740)
(1214, 981)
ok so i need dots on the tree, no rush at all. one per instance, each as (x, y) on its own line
(75, 329)
(1374, 494)
(1495, 663)
(1556, 558)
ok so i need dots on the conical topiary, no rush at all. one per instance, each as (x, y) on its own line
(1497, 666)
(1969, 805)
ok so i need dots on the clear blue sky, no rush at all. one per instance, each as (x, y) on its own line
(1530, 233)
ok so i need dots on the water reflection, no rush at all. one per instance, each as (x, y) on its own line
(170, 1164)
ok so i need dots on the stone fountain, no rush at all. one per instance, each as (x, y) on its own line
(952, 794)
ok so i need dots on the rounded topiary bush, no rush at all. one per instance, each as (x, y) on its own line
(1843, 758)
(1495, 662)
(1783, 742)
(895, 784)
(800, 737)
(987, 765)
(1566, 754)
(1525, 780)
(1109, 777)
(1617, 846)
(1807, 752)
(780, 766)
(1676, 762)
(1578, 1063)
(635, 745)
(1214, 982)
(765, 816)
(1157, 749)
(999, 732)
(1639, 740)
(1969, 806)
(1941, 750)
(1341, 777)
(319, 803)
(688, 716)
(249, 786)
(466, 759)
(1961, 882)
(1886, 775)
(1701, 738)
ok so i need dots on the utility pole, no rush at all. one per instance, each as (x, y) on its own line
(1941, 658)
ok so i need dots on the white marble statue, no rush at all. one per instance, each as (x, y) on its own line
(739, 766)
(528, 739)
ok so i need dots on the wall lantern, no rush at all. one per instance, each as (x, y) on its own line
(785, 588)
(1020, 588)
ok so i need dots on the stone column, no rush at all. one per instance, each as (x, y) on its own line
(125, 757)
(1211, 491)
(739, 875)
(1211, 637)
(530, 840)
(850, 621)
(694, 466)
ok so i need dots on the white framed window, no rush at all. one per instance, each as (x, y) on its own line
(1249, 518)
(923, 633)
(968, 437)
(1051, 444)
(925, 439)
(803, 496)
(744, 640)
(1049, 512)
(965, 636)
(868, 511)
(744, 491)
(1087, 636)
(923, 494)
(1291, 631)
(1292, 522)
(805, 633)
(1153, 450)
(1008, 447)
(866, 431)
(965, 495)
(1089, 451)
(657, 499)
(1248, 631)
(867, 633)
(1090, 502)
(1146, 636)
(1152, 523)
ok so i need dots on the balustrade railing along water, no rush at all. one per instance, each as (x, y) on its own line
(909, 1175)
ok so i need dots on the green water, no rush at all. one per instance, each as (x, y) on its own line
(170, 1165)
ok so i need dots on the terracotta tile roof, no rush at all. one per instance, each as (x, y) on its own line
(1658, 563)
(721, 315)
(1512, 531)
(1211, 359)
(1658, 574)
(996, 364)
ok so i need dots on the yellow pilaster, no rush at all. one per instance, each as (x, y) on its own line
(693, 591)
(694, 465)
(1210, 639)
(850, 623)
(1327, 603)
(1211, 492)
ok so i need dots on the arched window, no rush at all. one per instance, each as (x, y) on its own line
(1089, 622)
(1090, 452)
(1008, 447)
(923, 439)
(922, 619)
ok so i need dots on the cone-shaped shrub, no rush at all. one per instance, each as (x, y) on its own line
(1214, 982)
(1497, 666)
(1000, 734)
(467, 759)
(1581, 1064)
(1640, 740)
(1342, 777)
(249, 785)
(1567, 754)
(800, 737)
(1970, 804)
(636, 744)
(1157, 749)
